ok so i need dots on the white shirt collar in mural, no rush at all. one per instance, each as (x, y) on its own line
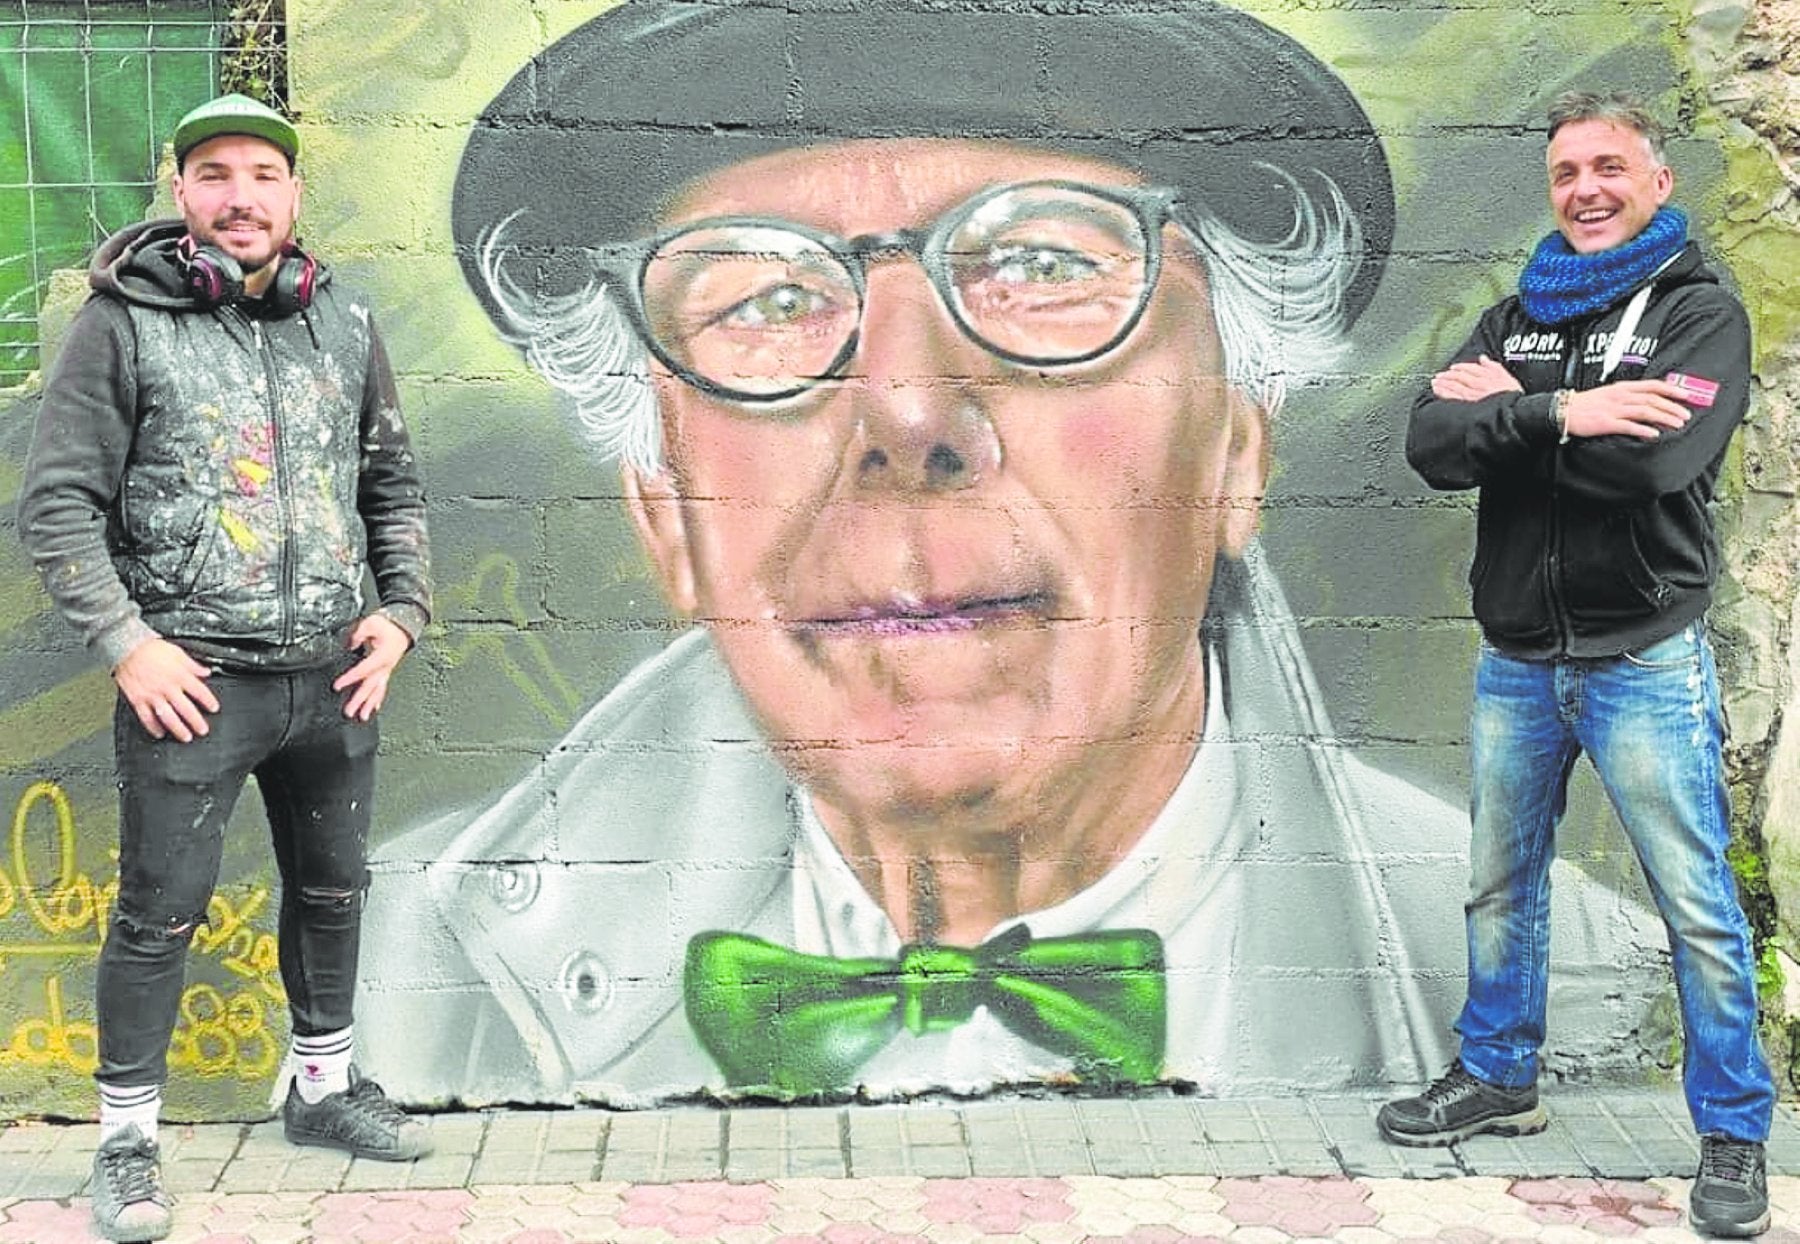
(1171, 870)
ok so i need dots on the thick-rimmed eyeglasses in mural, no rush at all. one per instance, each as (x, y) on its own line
(755, 309)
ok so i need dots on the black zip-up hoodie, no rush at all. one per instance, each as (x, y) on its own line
(1605, 544)
(221, 475)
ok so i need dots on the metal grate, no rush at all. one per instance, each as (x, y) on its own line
(89, 91)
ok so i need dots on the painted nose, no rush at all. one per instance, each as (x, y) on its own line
(923, 424)
(932, 443)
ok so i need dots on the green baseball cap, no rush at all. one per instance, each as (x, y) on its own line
(235, 114)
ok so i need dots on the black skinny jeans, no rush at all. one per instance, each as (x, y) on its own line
(316, 770)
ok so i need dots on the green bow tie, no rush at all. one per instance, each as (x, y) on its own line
(778, 1020)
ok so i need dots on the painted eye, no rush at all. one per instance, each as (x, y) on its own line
(776, 308)
(1040, 265)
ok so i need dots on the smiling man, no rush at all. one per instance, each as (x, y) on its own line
(994, 756)
(218, 460)
(1593, 410)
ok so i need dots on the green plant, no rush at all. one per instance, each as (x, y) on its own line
(253, 51)
(1770, 979)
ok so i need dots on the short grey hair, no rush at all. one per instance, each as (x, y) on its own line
(1614, 108)
(1278, 308)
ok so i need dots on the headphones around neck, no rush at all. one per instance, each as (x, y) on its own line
(213, 278)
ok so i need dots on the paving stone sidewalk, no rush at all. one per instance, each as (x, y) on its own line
(1149, 1169)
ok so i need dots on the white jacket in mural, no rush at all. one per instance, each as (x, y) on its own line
(1309, 908)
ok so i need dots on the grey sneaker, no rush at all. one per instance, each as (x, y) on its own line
(1731, 1191)
(1459, 1106)
(359, 1120)
(129, 1201)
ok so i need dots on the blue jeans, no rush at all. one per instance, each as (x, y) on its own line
(316, 771)
(1649, 721)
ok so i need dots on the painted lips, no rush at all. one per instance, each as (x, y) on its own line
(908, 617)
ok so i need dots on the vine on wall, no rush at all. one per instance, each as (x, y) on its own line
(253, 51)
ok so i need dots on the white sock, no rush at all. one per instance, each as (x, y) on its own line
(321, 1064)
(122, 1105)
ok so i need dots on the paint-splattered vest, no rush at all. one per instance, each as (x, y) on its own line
(237, 515)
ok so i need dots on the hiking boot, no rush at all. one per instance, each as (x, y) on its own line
(129, 1201)
(1459, 1106)
(359, 1120)
(1731, 1190)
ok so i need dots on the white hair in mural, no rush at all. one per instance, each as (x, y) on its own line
(1278, 308)
(582, 344)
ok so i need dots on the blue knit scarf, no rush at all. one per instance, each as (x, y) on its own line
(1559, 285)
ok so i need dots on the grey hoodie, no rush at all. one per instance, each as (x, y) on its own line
(221, 476)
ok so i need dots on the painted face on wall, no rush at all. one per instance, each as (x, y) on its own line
(237, 193)
(1605, 185)
(949, 585)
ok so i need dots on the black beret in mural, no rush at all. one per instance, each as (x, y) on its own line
(594, 137)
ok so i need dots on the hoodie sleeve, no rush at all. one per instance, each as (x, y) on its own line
(79, 449)
(1456, 445)
(1705, 334)
(392, 502)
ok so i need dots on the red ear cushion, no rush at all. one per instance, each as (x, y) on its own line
(297, 277)
(210, 275)
(205, 281)
(303, 287)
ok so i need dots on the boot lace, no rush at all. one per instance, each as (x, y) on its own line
(1454, 1083)
(1724, 1158)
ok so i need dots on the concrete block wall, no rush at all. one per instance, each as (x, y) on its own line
(543, 867)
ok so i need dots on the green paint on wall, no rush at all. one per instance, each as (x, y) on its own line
(1763, 250)
(21, 597)
(44, 725)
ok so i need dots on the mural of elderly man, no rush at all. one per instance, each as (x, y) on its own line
(941, 388)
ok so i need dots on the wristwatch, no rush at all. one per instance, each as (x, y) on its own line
(1559, 411)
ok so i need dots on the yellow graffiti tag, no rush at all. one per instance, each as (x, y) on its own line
(71, 905)
(245, 951)
(545, 687)
(217, 1035)
(220, 1036)
(71, 914)
(53, 1040)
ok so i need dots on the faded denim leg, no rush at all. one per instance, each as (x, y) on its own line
(174, 802)
(318, 789)
(1523, 748)
(1651, 724)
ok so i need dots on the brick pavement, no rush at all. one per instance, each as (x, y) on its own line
(1151, 1169)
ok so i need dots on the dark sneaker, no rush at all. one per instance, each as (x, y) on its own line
(129, 1201)
(1459, 1106)
(359, 1120)
(1731, 1191)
